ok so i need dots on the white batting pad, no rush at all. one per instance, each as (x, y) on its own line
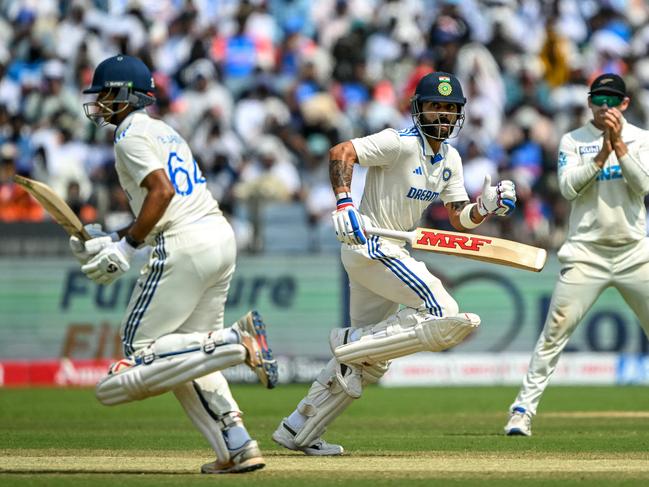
(327, 399)
(194, 407)
(153, 372)
(405, 333)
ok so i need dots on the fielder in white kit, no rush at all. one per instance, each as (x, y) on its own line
(173, 334)
(407, 170)
(604, 172)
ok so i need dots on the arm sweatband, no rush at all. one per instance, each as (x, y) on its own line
(465, 217)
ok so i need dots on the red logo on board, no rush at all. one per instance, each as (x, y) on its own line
(450, 241)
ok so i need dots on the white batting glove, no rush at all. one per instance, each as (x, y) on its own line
(79, 247)
(499, 200)
(348, 223)
(110, 263)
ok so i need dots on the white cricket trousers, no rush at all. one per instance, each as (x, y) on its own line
(383, 275)
(183, 289)
(587, 270)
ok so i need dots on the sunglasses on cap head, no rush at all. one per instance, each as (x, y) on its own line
(608, 100)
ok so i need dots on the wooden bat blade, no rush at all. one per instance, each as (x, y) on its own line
(54, 205)
(479, 247)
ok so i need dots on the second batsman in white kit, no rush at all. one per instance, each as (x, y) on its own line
(173, 333)
(407, 171)
(604, 172)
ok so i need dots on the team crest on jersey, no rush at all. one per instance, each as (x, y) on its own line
(446, 174)
(444, 88)
(563, 159)
(418, 171)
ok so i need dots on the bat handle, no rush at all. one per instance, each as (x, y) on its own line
(384, 232)
(84, 235)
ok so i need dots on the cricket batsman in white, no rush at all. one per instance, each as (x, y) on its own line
(173, 334)
(407, 171)
(603, 171)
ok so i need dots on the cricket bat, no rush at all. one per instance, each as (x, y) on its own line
(54, 205)
(470, 246)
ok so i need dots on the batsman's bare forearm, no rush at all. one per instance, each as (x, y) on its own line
(342, 158)
(454, 209)
(159, 195)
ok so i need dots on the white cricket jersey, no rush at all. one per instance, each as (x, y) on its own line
(144, 144)
(608, 203)
(405, 176)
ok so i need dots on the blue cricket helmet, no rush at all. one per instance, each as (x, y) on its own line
(129, 82)
(438, 87)
(119, 71)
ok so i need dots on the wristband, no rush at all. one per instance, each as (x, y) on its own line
(131, 241)
(465, 217)
(344, 200)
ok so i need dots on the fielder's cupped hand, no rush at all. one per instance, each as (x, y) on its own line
(612, 119)
(110, 263)
(348, 223)
(499, 200)
(83, 251)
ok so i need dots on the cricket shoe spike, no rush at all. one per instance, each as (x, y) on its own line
(245, 459)
(520, 422)
(284, 435)
(252, 332)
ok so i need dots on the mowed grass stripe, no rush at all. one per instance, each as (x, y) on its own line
(374, 464)
(599, 414)
(388, 455)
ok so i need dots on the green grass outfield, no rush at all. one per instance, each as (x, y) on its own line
(424, 436)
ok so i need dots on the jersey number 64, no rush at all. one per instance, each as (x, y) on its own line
(184, 176)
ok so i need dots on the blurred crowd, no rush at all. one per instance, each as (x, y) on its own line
(261, 89)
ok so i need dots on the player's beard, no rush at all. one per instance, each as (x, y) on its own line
(441, 128)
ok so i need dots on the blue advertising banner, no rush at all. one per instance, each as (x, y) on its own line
(48, 309)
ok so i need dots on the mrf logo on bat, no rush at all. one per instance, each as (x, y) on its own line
(450, 241)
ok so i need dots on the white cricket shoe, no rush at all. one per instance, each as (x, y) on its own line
(520, 422)
(252, 332)
(245, 459)
(284, 435)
